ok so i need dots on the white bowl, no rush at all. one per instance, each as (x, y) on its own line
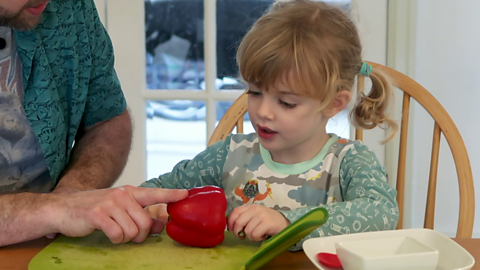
(393, 253)
(452, 256)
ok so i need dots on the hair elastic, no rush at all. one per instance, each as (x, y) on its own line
(365, 69)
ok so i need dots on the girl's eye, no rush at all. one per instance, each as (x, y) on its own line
(286, 104)
(254, 93)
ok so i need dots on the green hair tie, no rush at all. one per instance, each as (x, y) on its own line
(365, 69)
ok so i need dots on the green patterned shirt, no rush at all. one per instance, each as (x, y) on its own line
(68, 77)
(345, 177)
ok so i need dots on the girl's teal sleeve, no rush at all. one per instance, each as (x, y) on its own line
(204, 169)
(369, 203)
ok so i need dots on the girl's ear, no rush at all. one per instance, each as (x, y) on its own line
(339, 103)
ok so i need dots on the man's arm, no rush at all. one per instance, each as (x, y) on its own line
(99, 156)
(24, 217)
(118, 212)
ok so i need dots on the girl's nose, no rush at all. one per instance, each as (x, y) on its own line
(265, 109)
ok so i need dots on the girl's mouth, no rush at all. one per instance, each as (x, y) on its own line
(265, 133)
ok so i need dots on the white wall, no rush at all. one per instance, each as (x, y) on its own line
(371, 18)
(447, 63)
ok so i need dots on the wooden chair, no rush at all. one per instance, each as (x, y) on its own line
(443, 124)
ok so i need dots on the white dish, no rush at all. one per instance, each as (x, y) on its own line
(394, 253)
(451, 255)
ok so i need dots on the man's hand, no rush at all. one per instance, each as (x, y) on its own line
(60, 190)
(256, 221)
(118, 212)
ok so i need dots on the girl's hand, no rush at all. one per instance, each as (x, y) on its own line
(256, 221)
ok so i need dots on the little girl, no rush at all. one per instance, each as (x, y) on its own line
(300, 61)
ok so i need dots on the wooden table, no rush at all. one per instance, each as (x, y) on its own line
(17, 257)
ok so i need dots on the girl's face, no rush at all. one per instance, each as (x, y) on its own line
(21, 14)
(290, 127)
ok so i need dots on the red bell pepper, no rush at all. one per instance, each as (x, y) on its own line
(198, 220)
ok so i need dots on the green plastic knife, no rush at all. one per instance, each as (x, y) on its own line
(282, 241)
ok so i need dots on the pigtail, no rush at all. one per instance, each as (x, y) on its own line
(370, 110)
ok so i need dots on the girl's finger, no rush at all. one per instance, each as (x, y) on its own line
(250, 227)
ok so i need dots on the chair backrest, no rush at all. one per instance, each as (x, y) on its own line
(232, 118)
(443, 124)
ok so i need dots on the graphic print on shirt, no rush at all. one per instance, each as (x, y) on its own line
(250, 192)
(10, 66)
(22, 164)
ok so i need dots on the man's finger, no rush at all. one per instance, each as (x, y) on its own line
(111, 229)
(125, 221)
(51, 236)
(149, 196)
(142, 220)
(157, 226)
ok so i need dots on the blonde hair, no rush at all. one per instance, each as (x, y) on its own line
(314, 49)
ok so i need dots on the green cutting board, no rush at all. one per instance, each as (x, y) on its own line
(157, 252)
